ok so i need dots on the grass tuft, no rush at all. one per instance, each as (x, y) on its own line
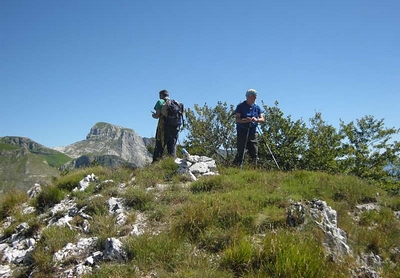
(48, 197)
(10, 202)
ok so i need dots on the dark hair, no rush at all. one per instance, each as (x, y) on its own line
(164, 93)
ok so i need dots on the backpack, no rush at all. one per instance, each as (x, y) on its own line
(172, 112)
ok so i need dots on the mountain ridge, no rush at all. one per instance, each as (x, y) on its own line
(23, 160)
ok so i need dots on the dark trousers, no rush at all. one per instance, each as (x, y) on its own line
(169, 140)
(251, 145)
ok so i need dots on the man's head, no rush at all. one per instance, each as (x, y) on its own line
(164, 94)
(251, 92)
(251, 96)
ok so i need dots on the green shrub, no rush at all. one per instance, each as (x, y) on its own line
(393, 202)
(174, 195)
(10, 202)
(48, 197)
(168, 167)
(118, 175)
(147, 178)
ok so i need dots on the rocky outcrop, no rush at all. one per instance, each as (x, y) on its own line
(108, 145)
(195, 166)
(16, 249)
(335, 239)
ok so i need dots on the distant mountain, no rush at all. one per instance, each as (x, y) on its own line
(108, 145)
(24, 162)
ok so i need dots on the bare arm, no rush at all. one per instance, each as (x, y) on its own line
(261, 118)
(157, 114)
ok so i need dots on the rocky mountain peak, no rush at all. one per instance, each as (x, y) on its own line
(102, 129)
(110, 140)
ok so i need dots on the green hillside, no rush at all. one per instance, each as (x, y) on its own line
(24, 162)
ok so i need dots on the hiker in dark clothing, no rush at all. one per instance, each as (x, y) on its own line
(166, 135)
(248, 115)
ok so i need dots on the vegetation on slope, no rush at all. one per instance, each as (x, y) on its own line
(230, 225)
(364, 148)
(23, 165)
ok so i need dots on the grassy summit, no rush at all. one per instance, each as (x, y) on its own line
(230, 225)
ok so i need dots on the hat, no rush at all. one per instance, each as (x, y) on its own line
(251, 92)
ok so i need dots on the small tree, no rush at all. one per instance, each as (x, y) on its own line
(285, 137)
(323, 143)
(211, 131)
(367, 151)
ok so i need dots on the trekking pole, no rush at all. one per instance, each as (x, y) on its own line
(270, 151)
(245, 147)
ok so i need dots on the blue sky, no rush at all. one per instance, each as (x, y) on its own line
(66, 65)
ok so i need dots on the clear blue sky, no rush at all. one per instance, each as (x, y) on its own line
(65, 65)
